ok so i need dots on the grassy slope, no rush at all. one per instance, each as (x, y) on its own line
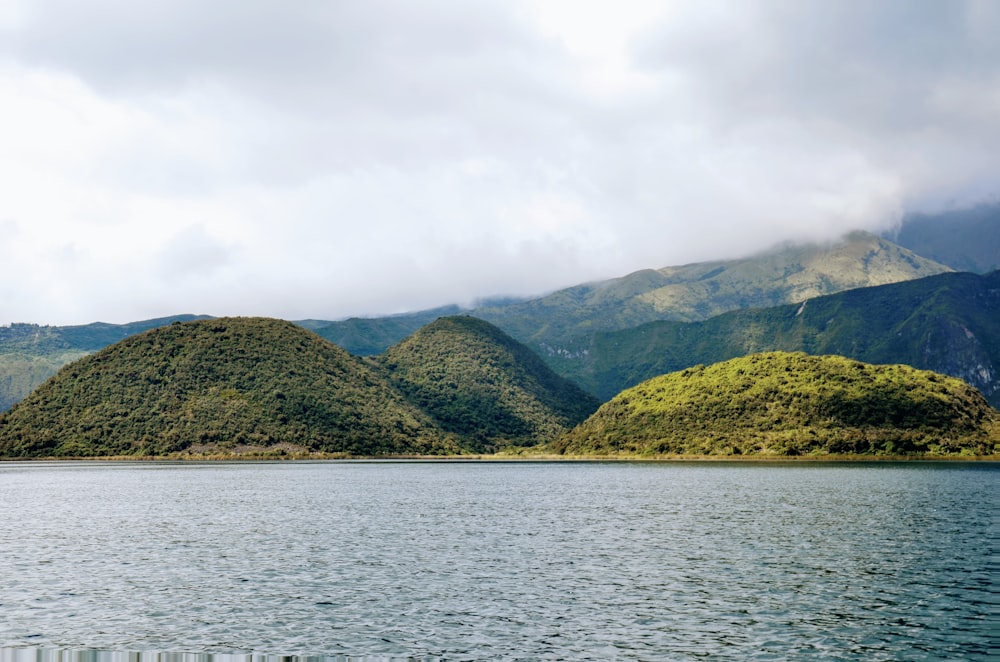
(790, 404)
(478, 382)
(699, 291)
(226, 382)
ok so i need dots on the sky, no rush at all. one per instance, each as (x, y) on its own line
(332, 158)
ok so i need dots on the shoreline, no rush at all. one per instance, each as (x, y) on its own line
(499, 458)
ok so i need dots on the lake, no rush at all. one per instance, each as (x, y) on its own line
(466, 560)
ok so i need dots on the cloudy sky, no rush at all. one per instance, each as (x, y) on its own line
(328, 158)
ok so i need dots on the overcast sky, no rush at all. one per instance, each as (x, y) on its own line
(329, 158)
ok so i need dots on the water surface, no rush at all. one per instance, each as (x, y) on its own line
(487, 560)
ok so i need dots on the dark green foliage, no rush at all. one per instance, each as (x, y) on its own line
(948, 323)
(481, 384)
(964, 239)
(217, 383)
(790, 404)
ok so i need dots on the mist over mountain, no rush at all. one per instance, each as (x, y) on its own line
(964, 239)
(785, 274)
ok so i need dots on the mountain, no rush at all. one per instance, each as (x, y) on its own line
(366, 336)
(949, 323)
(477, 382)
(788, 274)
(218, 384)
(791, 404)
(963, 239)
(30, 354)
(551, 325)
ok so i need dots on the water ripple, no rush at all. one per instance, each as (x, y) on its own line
(508, 561)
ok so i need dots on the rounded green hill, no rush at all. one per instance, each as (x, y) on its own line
(781, 403)
(218, 384)
(477, 382)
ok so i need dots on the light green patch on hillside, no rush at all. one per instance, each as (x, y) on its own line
(782, 403)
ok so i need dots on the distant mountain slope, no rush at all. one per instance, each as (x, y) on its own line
(217, 384)
(32, 338)
(790, 404)
(949, 323)
(478, 382)
(964, 239)
(366, 336)
(690, 292)
(30, 354)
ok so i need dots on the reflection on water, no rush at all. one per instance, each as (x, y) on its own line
(486, 561)
(69, 655)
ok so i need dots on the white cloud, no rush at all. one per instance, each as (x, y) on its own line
(360, 158)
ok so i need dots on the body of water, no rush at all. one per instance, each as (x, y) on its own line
(499, 560)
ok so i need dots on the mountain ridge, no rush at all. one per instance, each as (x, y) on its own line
(785, 273)
(948, 323)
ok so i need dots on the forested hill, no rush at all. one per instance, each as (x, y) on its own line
(235, 384)
(213, 385)
(479, 383)
(790, 404)
(948, 323)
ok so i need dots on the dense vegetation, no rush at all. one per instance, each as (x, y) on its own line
(481, 384)
(790, 404)
(213, 386)
(218, 384)
(948, 323)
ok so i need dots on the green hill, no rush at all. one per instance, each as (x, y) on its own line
(218, 384)
(479, 383)
(790, 404)
(949, 323)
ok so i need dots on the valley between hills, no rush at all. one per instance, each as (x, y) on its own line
(860, 348)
